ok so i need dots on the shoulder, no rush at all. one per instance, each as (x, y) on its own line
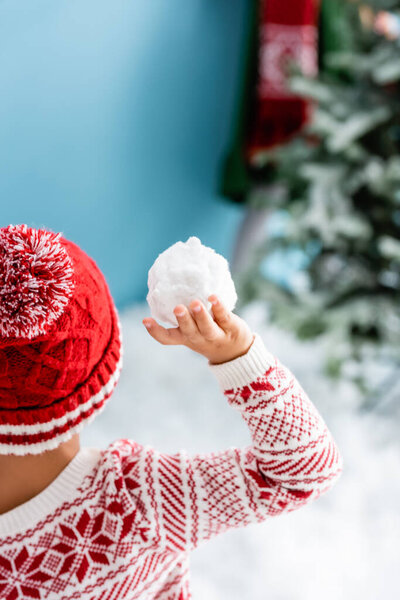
(124, 459)
(122, 449)
(129, 488)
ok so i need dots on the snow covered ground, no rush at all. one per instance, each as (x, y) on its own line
(345, 545)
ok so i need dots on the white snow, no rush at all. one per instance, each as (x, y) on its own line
(186, 271)
(345, 545)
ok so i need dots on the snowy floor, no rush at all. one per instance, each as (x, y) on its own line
(345, 545)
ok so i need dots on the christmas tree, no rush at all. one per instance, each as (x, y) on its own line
(340, 203)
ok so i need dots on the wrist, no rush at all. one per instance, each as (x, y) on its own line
(246, 368)
(232, 355)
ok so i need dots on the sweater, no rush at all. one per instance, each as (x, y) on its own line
(120, 523)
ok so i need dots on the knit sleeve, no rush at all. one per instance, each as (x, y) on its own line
(291, 461)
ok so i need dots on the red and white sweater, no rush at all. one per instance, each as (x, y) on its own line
(120, 523)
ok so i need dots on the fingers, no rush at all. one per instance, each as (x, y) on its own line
(222, 316)
(186, 323)
(162, 335)
(204, 321)
(193, 323)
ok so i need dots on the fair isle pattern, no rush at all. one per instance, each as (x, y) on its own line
(279, 44)
(128, 531)
(292, 442)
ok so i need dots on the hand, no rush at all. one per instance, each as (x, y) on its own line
(220, 338)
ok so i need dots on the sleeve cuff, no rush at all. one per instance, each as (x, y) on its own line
(244, 369)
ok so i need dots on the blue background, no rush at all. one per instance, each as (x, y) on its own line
(114, 119)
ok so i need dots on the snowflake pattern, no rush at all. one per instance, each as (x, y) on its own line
(20, 576)
(280, 44)
(83, 544)
(128, 531)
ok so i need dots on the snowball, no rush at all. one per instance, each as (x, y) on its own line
(184, 272)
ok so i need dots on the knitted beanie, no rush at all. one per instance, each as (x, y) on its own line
(60, 340)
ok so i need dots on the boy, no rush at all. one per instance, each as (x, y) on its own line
(119, 523)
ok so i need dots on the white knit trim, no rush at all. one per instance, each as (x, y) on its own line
(37, 448)
(61, 490)
(246, 368)
(60, 421)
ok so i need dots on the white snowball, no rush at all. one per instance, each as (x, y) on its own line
(184, 272)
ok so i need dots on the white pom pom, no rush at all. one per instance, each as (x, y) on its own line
(184, 272)
(36, 280)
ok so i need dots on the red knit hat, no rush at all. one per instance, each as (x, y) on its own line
(60, 340)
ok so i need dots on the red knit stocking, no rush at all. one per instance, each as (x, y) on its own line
(287, 30)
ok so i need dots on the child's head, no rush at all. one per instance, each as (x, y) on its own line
(60, 340)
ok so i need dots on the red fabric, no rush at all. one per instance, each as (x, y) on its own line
(127, 530)
(287, 30)
(59, 373)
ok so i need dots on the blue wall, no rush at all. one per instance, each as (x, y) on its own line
(114, 116)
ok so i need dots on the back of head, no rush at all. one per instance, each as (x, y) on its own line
(60, 340)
